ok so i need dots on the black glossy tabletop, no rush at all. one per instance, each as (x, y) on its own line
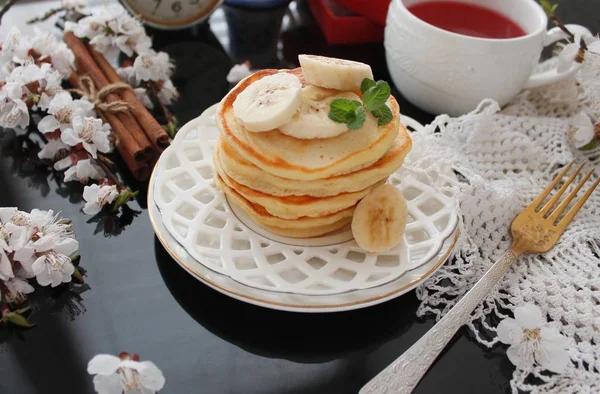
(139, 300)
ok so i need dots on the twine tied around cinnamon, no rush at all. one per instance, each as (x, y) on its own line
(98, 97)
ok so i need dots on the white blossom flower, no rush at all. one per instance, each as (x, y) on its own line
(17, 290)
(102, 43)
(13, 114)
(83, 171)
(62, 59)
(61, 112)
(51, 86)
(46, 253)
(15, 47)
(52, 149)
(53, 266)
(131, 36)
(125, 374)
(12, 90)
(532, 342)
(582, 130)
(168, 93)
(87, 27)
(238, 72)
(43, 42)
(568, 54)
(26, 74)
(97, 197)
(143, 97)
(127, 74)
(153, 66)
(92, 133)
(12, 238)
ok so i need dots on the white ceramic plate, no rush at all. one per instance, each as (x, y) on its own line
(222, 247)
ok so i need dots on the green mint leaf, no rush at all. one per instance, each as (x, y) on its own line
(359, 119)
(343, 110)
(366, 84)
(383, 115)
(377, 95)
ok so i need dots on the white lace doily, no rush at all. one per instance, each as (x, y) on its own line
(506, 158)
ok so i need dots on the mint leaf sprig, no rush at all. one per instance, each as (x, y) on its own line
(352, 112)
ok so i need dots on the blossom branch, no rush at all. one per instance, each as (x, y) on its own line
(47, 15)
(6, 7)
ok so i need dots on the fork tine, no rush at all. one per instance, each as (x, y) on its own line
(560, 191)
(573, 211)
(565, 203)
(536, 203)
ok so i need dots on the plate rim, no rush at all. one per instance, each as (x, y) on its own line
(283, 306)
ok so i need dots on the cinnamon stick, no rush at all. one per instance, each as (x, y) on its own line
(129, 145)
(86, 65)
(153, 130)
(140, 170)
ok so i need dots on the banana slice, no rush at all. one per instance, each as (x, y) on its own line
(380, 219)
(269, 102)
(332, 73)
(312, 119)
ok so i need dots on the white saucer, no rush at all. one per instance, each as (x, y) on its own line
(222, 247)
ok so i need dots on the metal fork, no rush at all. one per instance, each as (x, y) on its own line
(535, 230)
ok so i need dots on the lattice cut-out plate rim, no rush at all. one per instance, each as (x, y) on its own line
(173, 235)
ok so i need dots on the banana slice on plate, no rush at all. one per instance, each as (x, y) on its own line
(332, 73)
(380, 219)
(312, 119)
(269, 102)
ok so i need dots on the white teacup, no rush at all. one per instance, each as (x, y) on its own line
(444, 72)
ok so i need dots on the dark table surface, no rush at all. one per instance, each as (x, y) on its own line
(139, 300)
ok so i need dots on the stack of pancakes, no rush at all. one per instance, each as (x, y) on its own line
(303, 187)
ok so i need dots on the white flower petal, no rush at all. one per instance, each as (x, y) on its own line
(48, 124)
(103, 364)
(51, 149)
(69, 137)
(509, 331)
(108, 384)
(90, 193)
(520, 357)
(6, 271)
(56, 277)
(44, 278)
(529, 316)
(150, 376)
(67, 246)
(552, 357)
(91, 208)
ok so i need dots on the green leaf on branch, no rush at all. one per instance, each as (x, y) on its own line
(172, 127)
(17, 318)
(548, 7)
(123, 198)
(78, 276)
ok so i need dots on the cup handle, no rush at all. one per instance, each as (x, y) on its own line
(553, 76)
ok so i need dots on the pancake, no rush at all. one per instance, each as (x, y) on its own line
(292, 158)
(246, 173)
(302, 227)
(294, 207)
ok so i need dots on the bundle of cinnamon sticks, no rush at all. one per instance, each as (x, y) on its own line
(139, 137)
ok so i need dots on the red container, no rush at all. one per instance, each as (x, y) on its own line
(375, 10)
(342, 26)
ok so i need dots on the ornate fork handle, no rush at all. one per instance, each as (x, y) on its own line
(403, 375)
